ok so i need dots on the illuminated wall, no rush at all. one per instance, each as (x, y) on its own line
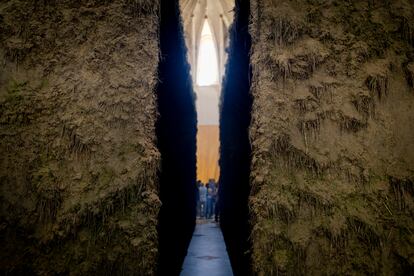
(207, 153)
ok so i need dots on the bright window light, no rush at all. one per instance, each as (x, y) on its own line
(207, 69)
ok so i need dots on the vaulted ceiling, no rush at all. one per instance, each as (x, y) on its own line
(219, 14)
(221, 7)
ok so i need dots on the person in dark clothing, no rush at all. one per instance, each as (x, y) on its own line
(211, 198)
(217, 207)
(198, 197)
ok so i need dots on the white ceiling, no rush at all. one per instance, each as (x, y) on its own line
(220, 7)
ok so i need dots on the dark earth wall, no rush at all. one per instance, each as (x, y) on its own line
(235, 153)
(332, 136)
(176, 132)
(78, 162)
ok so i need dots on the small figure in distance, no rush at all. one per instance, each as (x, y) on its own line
(202, 190)
(211, 198)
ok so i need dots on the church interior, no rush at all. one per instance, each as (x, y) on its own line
(301, 110)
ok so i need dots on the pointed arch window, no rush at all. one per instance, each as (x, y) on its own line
(207, 63)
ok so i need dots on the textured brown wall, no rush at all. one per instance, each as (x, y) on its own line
(333, 137)
(77, 140)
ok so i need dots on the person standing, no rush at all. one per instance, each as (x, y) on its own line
(208, 200)
(217, 206)
(197, 196)
(202, 190)
(211, 198)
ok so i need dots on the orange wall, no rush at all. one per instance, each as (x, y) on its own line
(207, 153)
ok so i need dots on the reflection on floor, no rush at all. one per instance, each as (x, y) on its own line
(207, 253)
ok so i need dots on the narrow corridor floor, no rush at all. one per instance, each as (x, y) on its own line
(207, 253)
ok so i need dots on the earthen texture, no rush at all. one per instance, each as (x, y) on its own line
(78, 158)
(332, 137)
